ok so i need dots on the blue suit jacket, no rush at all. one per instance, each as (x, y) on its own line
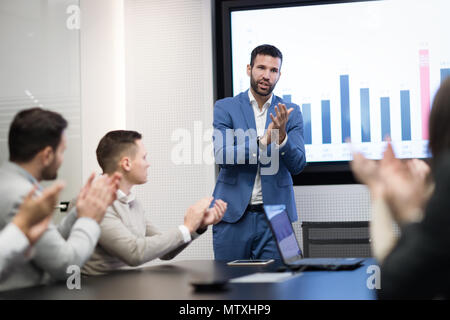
(238, 159)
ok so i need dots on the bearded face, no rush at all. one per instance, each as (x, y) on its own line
(264, 74)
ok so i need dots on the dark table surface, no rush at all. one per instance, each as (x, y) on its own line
(173, 280)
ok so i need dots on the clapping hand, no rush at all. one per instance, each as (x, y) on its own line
(35, 213)
(97, 195)
(405, 186)
(278, 123)
(402, 184)
(215, 214)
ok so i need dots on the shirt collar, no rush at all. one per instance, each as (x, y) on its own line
(122, 197)
(252, 99)
(11, 166)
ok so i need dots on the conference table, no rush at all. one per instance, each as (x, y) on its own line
(173, 281)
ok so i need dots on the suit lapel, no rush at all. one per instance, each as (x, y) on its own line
(247, 110)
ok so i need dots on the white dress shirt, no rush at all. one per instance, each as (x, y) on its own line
(260, 121)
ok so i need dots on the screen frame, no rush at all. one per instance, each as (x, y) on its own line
(315, 173)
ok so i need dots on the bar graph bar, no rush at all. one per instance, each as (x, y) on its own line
(405, 114)
(385, 118)
(287, 98)
(326, 122)
(307, 133)
(445, 73)
(424, 65)
(345, 107)
(365, 115)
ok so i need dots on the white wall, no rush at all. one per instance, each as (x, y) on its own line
(147, 66)
(40, 66)
(102, 75)
(168, 48)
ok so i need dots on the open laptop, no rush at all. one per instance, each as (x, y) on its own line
(289, 249)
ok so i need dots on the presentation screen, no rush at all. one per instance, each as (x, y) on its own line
(362, 71)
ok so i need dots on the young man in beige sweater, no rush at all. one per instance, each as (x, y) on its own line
(128, 238)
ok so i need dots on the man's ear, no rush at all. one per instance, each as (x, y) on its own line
(249, 70)
(47, 155)
(125, 163)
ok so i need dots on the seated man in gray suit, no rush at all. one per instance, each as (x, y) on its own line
(36, 146)
(128, 236)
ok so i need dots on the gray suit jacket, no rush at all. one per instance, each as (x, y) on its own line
(70, 243)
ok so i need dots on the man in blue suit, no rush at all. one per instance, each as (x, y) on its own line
(258, 144)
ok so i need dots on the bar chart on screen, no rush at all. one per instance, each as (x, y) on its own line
(360, 72)
(406, 147)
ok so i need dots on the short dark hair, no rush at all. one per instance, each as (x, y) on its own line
(438, 126)
(266, 50)
(31, 131)
(112, 146)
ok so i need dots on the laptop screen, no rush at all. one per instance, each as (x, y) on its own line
(283, 232)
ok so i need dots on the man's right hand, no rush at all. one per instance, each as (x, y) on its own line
(96, 196)
(195, 213)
